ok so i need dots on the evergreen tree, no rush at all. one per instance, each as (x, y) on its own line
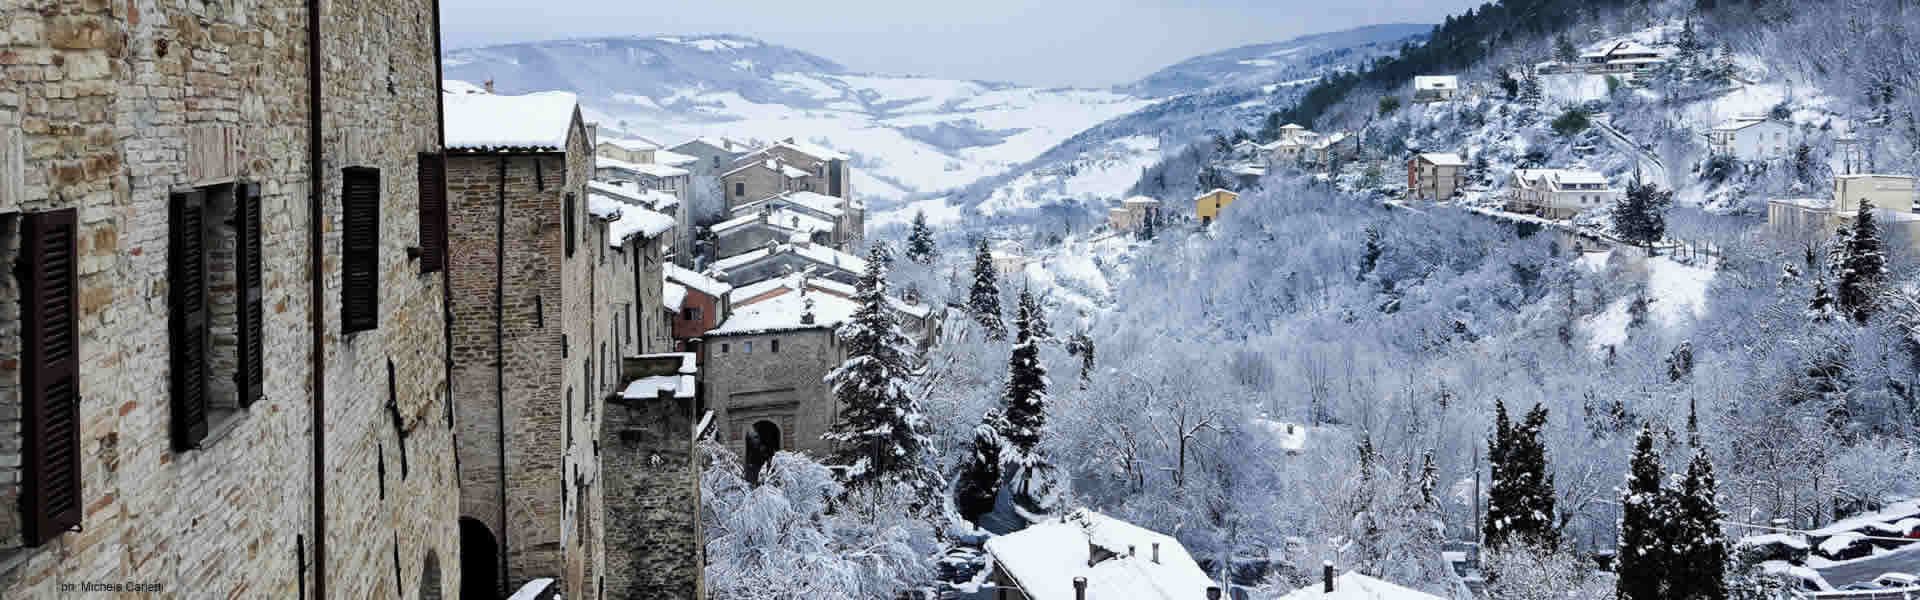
(1509, 85)
(1863, 269)
(1640, 215)
(1081, 345)
(1530, 92)
(1564, 51)
(1520, 506)
(1026, 390)
(1370, 253)
(920, 248)
(1644, 553)
(1037, 317)
(1500, 495)
(1699, 571)
(1820, 308)
(881, 433)
(1429, 481)
(1146, 231)
(980, 475)
(984, 300)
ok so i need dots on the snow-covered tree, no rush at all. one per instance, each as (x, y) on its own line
(1521, 502)
(920, 246)
(1863, 268)
(1645, 554)
(1025, 395)
(1523, 571)
(882, 432)
(1640, 215)
(1699, 571)
(978, 484)
(984, 299)
(1081, 345)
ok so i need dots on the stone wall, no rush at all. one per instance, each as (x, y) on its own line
(782, 387)
(119, 102)
(654, 539)
(751, 184)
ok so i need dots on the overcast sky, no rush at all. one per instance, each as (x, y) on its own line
(1037, 42)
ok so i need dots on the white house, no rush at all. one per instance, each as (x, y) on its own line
(1435, 88)
(1892, 197)
(1295, 140)
(1091, 556)
(1621, 57)
(1559, 193)
(1750, 138)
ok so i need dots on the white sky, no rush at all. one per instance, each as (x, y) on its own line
(1036, 42)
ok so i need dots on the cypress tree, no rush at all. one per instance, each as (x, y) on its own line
(1025, 395)
(1699, 570)
(1863, 270)
(1534, 520)
(920, 248)
(881, 432)
(979, 481)
(1501, 495)
(1644, 553)
(984, 299)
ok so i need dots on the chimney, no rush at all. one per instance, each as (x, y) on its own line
(1213, 592)
(1129, 550)
(1156, 553)
(488, 84)
(1079, 588)
(1326, 575)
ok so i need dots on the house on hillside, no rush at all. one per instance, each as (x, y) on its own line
(843, 220)
(700, 303)
(1435, 88)
(712, 155)
(1132, 212)
(1085, 555)
(1355, 586)
(1559, 193)
(761, 178)
(813, 168)
(1434, 176)
(633, 150)
(1750, 138)
(793, 256)
(1892, 197)
(1207, 206)
(1294, 142)
(1621, 58)
(1336, 146)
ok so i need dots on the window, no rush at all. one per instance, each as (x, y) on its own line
(723, 348)
(433, 212)
(716, 161)
(740, 189)
(691, 313)
(51, 497)
(360, 249)
(567, 208)
(774, 347)
(214, 279)
(747, 347)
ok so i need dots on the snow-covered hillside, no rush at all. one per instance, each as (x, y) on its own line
(1273, 63)
(908, 135)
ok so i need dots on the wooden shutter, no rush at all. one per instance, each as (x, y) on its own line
(187, 317)
(568, 208)
(249, 376)
(52, 503)
(433, 212)
(360, 249)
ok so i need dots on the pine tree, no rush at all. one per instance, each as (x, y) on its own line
(1863, 270)
(984, 301)
(1563, 50)
(1025, 395)
(1146, 231)
(1535, 519)
(1644, 554)
(1699, 571)
(920, 248)
(1640, 215)
(1820, 308)
(1530, 92)
(881, 432)
(1500, 495)
(1370, 253)
(1081, 345)
(1037, 317)
(980, 475)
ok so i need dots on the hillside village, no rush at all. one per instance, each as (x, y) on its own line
(1638, 322)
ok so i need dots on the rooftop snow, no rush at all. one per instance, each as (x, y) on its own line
(636, 220)
(1737, 124)
(1355, 586)
(673, 296)
(813, 150)
(1444, 159)
(784, 218)
(699, 282)
(632, 144)
(814, 201)
(680, 383)
(641, 168)
(1216, 191)
(489, 122)
(657, 200)
(1044, 558)
(783, 313)
(813, 252)
(1436, 82)
(1140, 200)
(673, 159)
(1808, 203)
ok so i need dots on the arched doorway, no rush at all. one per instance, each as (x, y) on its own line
(763, 440)
(430, 577)
(479, 562)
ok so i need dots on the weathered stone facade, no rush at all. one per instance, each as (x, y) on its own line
(655, 544)
(750, 382)
(751, 182)
(111, 106)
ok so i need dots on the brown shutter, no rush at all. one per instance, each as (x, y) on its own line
(52, 503)
(433, 212)
(250, 376)
(187, 317)
(360, 249)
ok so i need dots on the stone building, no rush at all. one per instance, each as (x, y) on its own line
(794, 256)
(825, 219)
(659, 178)
(529, 306)
(702, 304)
(225, 367)
(712, 155)
(664, 202)
(655, 540)
(758, 177)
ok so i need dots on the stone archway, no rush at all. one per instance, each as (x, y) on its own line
(763, 440)
(430, 578)
(479, 562)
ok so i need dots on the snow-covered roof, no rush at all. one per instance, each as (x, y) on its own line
(1579, 177)
(1141, 200)
(533, 589)
(793, 172)
(1044, 558)
(1807, 203)
(784, 312)
(488, 122)
(1216, 191)
(1250, 170)
(784, 218)
(768, 164)
(631, 144)
(680, 383)
(658, 200)
(1893, 512)
(1292, 126)
(700, 282)
(641, 168)
(1436, 82)
(1355, 586)
(1611, 48)
(1444, 159)
(1636, 61)
(672, 296)
(813, 150)
(813, 252)
(627, 219)
(1335, 138)
(1738, 124)
(721, 143)
(455, 86)
(674, 159)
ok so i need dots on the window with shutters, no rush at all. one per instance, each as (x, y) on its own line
(359, 249)
(568, 230)
(433, 212)
(45, 434)
(216, 310)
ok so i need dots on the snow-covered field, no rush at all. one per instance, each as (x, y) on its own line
(1101, 174)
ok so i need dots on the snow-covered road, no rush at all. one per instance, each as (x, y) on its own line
(1906, 560)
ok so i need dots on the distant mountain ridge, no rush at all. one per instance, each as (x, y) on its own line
(637, 65)
(1276, 62)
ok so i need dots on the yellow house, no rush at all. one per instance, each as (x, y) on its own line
(1207, 206)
